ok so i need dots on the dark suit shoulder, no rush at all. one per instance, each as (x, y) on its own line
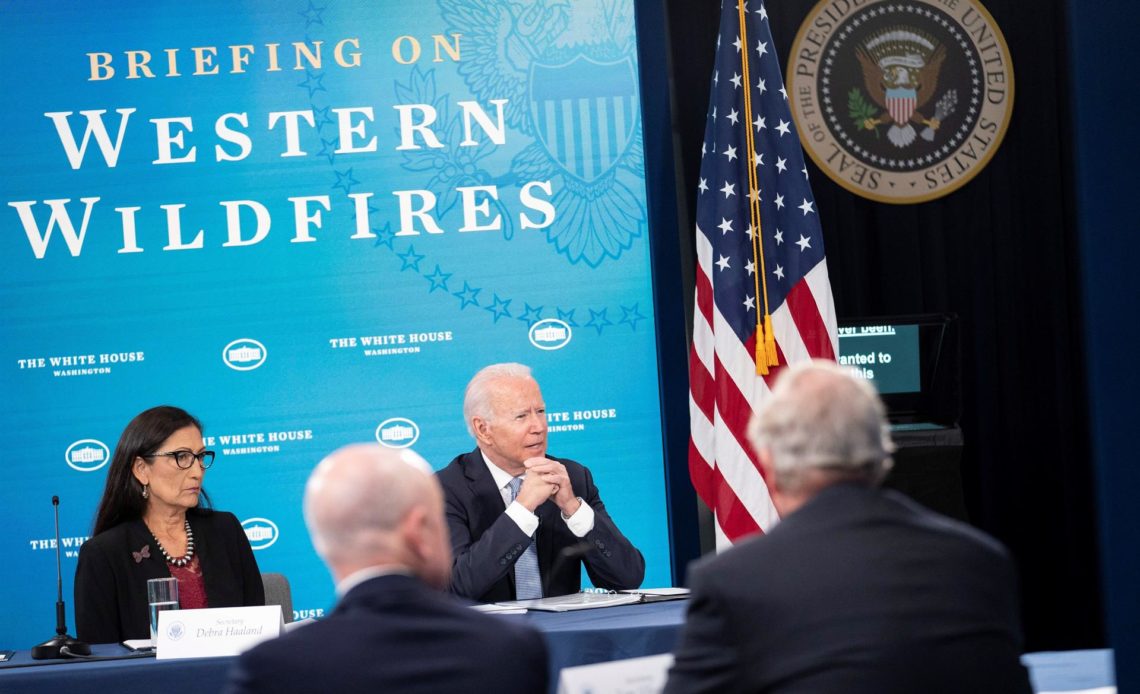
(453, 471)
(459, 468)
(943, 525)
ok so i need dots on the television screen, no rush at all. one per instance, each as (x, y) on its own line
(913, 361)
(886, 355)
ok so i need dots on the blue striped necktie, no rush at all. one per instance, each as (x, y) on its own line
(528, 581)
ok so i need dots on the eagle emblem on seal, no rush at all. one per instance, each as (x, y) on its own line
(900, 72)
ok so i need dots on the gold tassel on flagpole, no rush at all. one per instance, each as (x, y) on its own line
(765, 339)
(769, 342)
(762, 352)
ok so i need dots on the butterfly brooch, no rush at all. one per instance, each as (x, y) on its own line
(143, 553)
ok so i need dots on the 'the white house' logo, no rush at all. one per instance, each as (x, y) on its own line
(261, 532)
(87, 455)
(244, 354)
(397, 432)
(550, 333)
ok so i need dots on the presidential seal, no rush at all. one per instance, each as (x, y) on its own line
(900, 101)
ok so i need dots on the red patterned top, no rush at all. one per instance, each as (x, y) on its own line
(191, 587)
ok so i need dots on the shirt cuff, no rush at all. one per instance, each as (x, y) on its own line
(582, 521)
(527, 521)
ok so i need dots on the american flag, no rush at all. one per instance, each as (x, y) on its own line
(734, 274)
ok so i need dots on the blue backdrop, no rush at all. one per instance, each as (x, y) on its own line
(309, 225)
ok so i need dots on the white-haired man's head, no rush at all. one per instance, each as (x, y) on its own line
(505, 413)
(478, 398)
(822, 424)
(367, 506)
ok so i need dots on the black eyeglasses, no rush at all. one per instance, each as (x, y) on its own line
(184, 459)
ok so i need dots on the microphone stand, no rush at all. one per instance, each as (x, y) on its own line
(61, 645)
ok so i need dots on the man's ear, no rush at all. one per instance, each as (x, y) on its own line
(768, 469)
(414, 529)
(482, 429)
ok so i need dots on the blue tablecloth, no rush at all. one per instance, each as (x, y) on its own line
(574, 638)
(612, 633)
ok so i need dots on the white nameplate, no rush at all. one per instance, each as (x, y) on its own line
(215, 631)
(644, 675)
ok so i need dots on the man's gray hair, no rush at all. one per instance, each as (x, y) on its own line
(821, 415)
(477, 397)
(357, 496)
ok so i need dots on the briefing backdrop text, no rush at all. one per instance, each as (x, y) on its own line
(309, 223)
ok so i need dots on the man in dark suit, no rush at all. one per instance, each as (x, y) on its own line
(376, 518)
(522, 523)
(856, 589)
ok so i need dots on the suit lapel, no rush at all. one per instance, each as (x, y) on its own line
(487, 499)
(483, 489)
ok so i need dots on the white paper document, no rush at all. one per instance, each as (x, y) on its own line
(575, 601)
(670, 592)
(494, 608)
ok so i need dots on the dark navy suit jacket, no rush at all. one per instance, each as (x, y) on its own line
(859, 590)
(395, 634)
(486, 542)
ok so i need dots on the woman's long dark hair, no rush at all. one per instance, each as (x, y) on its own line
(122, 496)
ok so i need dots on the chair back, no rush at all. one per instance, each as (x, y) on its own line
(277, 592)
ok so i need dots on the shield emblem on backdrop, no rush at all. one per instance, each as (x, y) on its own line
(584, 113)
(900, 103)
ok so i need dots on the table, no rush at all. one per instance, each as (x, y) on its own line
(573, 638)
(611, 633)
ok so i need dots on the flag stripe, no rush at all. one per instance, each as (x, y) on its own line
(809, 323)
(820, 284)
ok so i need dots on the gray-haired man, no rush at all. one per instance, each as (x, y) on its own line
(856, 589)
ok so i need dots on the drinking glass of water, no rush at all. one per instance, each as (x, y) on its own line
(162, 595)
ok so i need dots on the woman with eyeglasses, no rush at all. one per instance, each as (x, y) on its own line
(154, 521)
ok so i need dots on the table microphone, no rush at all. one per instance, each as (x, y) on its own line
(62, 645)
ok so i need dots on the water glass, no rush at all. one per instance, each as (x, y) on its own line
(161, 595)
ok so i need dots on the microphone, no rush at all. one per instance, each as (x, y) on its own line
(568, 553)
(61, 645)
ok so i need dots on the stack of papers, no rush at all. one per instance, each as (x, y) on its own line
(505, 608)
(660, 594)
(575, 601)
